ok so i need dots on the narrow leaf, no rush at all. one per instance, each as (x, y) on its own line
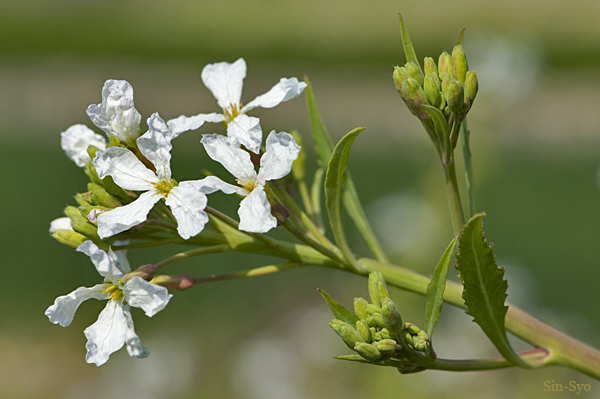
(409, 50)
(460, 36)
(484, 286)
(323, 142)
(334, 187)
(436, 288)
(340, 312)
(315, 197)
(439, 121)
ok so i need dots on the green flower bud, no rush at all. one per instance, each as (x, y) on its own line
(85, 210)
(367, 351)
(93, 186)
(432, 91)
(373, 309)
(382, 290)
(373, 330)
(386, 346)
(86, 228)
(73, 213)
(391, 318)
(471, 86)
(180, 282)
(385, 334)
(430, 66)
(423, 335)
(83, 199)
(364, 331)
(459, 64)
(414, 72)
(408, 338)
(378, 320)
(447, 79)
(69, 237)
(104, 199)
(415, 98)
(373, 278)
(377, 336)
(360, 308)
(445, 64)
(421, 346)
(346, 332)
(412, 328)
(399, 76)
(455, 96)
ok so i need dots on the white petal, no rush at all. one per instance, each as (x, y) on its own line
(255, 212)
(62, 224)
(125, 217)
(281, 152)
(76, 140)
(247, 131)
(134, 346)
(285, 90)
(187, 204)
(121, 256)
(125, 168)
(155, 145)
(106, 263)
(151, 298)
(64, 308)
(227, 151)
(107, 335)
(185, 123)
(210, 184)
(116, 115)
(225, 81)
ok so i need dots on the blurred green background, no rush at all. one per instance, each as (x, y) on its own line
(536, 155)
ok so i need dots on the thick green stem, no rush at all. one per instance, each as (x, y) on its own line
(465, 134)
(533, 356)
(192, 253)
(259, 271)
(456, 212)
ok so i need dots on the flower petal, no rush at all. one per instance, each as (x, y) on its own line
(155, 144)
(185, 123)
(227, 151)
(125, 168)
(134, 346)
(187, 204)
(125, 217)
(107, 335)
(62, 224)
(246, 129)
(225, 81)
(76, 140)
(285, 90)
(255, 212)
(281, 152)
(64, 308)
(106, 263)
(121, 256)
(151, 298)
(210, 184)
(116, 115)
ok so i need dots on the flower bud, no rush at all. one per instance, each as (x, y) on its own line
(391, 318)
(73, 213)
(69, 237)
(420, 345)
(459, 64)
(445, 64)
(364, 331)
(408, 338)
(373, 278)
(145, 271)
(104, 199)
(399, 76)
(373, 309)
(412, 328)
(432, 91)
(346, 332)
(180, 282)
(367, 351)
(455, 96)
(378, 320)
(471, 86)
(414, 72)
(385, 334)
(360, 308)
(430, 66)
(386, 346)
(83, 199)
(86, 228)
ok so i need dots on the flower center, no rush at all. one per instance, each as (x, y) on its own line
(248, 184)
(232, 112)
(165, 186)
(116, 293)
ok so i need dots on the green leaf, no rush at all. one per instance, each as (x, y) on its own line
(460, 36)
(340, 312)
(323, 142)
(484, 286)
(334, 187)
(315, 197)
(439, 121)
(409, 50)
(436, 288)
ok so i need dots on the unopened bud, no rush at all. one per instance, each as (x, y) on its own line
(432, 91)
(378, 336)
(374, 277)
(180, 282)
(421, 346)
(373, 309)
(73, 213)
(104, 199)
(471, 86)
(445, 63)
(411, 328)
(382, 291)
(386, 346)
(455, 96)
(391, 317)
(360, 308)
(346, 332)
(364, 331)
(86, 228)
(93, 215)
(93, 186)
(414, 72)
(378, 320)
(430, 66)
(408, 338)
(385, 334)
(145, 271)
(83, 199)
(69, 237)
(399, 75)
(367, 351)
(459, 64)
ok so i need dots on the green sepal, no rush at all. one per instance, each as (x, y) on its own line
(334, 187)
(484, 286)
(409, 50)
(339, 311)
(436, 288)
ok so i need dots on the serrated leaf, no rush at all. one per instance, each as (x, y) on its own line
(436, 288)
(340, 312)
(334, 187)
(484, 286)
(409, 50)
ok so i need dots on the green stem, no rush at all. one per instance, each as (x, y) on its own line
(259, 271)
(456, 212)
(470, 179)
(192, 253)
(177, 240)
(235, 224)
(337, 257)
(533, 356)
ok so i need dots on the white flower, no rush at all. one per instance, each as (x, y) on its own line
(225, 81)
(186, 199)
(114, 327)
(63, 223)
(116, 115)
(255, 210)
(76, 140)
